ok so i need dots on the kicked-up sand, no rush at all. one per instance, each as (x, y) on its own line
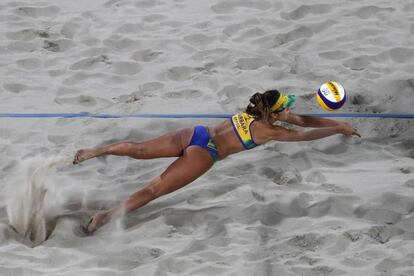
(336, 206)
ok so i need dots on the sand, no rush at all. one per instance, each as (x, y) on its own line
(337, 206)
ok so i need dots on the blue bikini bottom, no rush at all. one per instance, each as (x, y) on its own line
(202, 138)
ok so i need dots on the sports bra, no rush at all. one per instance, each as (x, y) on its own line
(241, 124)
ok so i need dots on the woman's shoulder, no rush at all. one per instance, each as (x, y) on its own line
(244, 115)
(263, 126)
(265, 132)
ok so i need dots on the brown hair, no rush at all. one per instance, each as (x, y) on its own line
(260, 104)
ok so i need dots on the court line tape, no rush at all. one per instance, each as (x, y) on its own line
(194, 116)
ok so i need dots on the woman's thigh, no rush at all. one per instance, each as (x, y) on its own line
(168, 145)
(191, 165)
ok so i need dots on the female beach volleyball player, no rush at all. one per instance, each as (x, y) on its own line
(198, 148)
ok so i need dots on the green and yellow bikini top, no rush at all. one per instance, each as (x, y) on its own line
(242, 121)
(241, 124)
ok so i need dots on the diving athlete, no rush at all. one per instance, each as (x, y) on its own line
(198, 148)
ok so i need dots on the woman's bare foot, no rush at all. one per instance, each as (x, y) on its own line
(84, 154)
(95, 222)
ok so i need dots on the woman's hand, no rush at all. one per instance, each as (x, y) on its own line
(346, 129)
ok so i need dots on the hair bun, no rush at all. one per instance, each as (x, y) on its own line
(256, 98)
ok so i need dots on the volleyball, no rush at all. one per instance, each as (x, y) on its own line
(331, 96)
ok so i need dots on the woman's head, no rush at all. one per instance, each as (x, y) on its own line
(269, 105)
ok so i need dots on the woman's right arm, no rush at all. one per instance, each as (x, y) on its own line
(311, 121)
(283, 134)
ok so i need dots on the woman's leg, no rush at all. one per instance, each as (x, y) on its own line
(192, 164)
(168, 145)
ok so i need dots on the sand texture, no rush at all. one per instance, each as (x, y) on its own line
(337, 206)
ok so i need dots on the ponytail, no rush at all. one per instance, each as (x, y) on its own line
(260, 104)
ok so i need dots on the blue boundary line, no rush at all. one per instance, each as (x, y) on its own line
(172, 116)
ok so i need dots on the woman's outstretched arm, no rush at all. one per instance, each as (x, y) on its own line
(311, 121)
(283, 134)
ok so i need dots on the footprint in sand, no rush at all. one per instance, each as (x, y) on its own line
(147, 4)
(306, 242)
(185, 221)
(410, 183)
(115, 3)
(333, 188)
(353, 235)
(282, 176)
(394, 264)
(231, 92)
(70, 29)
(383, 233)
(95, 51)
(180, 73)
(258, 196)
(218, 57)
(29, 63)
(198, 40)
(126, 68)
(268, 214)
(369, 11)
(151, 86)
(151, 18)
(85, 101)
(27, 34)
(407, 224)
(230, 5)
(183, 94)
(378, 215)
(252, 33)
(298, 33)
(15, 87)
(361, 99)
(50, 11)
(339, 146)
(301, 203)
(60, 45)
(302, 161)
(401, 55)
(80, 77)
(120, 43)
(22, 47)
(317, 270)
(89, 63)
(305, 10)
(403, 204)
(334, 55)
(357, 63)
(235, 28)
(130, 28)
(250, 63)
(146, 55)
(58, 139)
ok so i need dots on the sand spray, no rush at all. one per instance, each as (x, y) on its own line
(26, 197)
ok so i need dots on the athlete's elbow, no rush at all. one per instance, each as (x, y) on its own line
(304, 121)
(304, 136)
(309, 121)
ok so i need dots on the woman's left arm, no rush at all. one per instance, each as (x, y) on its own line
(311, 121)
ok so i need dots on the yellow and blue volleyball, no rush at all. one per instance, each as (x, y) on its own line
(331, 96)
